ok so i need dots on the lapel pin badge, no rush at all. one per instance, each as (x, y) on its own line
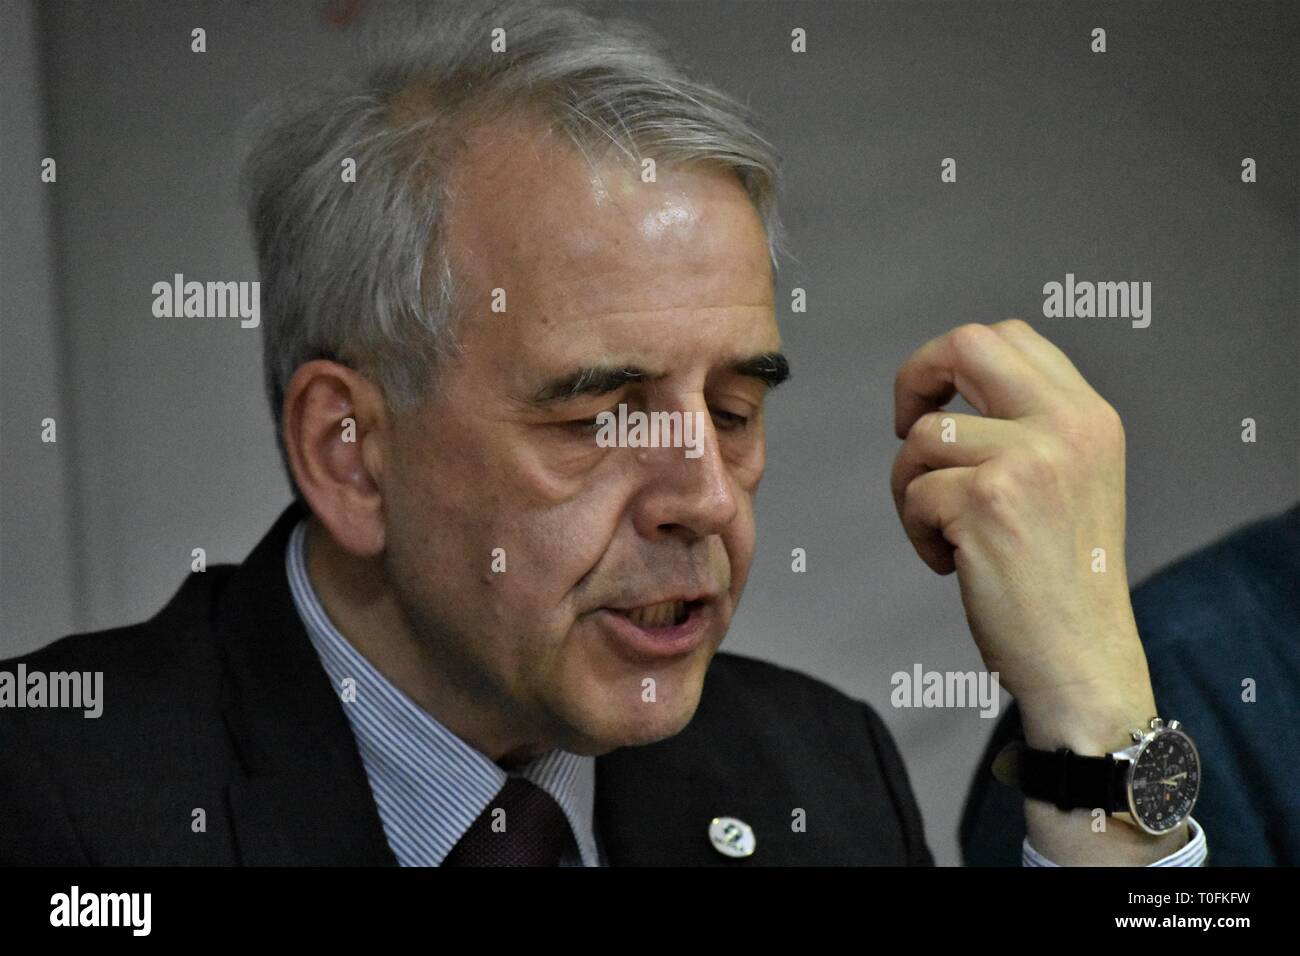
(731, 837)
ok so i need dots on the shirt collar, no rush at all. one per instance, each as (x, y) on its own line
(429, 785)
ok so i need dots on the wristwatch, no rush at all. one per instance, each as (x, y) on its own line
(1154, 782)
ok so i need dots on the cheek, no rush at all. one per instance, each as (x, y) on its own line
(506, 548)
(747, 457)
(549, 548)
(566, 522)
(740, 538)
(444, 526)
(740, 542)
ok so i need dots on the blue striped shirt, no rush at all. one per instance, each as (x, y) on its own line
(429, 785)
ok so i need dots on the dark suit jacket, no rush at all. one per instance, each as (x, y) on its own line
(220, 703)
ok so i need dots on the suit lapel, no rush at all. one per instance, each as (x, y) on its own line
(305, 819)
(654, 803)
(304, 798)
(641, 817)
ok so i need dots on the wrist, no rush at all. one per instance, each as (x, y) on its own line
(1071, 838)
(1089, 730)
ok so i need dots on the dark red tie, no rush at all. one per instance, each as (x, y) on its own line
(533, 832)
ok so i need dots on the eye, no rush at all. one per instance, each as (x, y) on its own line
(588, 426)
(729, 421)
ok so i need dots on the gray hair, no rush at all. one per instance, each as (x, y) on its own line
(356, 271)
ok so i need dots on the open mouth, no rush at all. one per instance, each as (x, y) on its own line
(662, 631)
(664, 614)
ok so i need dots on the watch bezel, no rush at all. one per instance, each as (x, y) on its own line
(1133, 754)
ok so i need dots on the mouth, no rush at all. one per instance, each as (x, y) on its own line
(651, 617)
(668, 628)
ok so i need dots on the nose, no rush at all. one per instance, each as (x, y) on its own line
(684, 496)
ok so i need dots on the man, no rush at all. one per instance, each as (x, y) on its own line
(483, 635)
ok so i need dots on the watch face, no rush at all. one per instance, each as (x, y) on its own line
(1166, 781)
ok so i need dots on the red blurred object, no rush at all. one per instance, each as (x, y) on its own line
(339, 13)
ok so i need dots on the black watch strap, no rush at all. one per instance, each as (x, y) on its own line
(1064, 778)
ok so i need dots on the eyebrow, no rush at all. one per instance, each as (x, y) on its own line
(771, 368)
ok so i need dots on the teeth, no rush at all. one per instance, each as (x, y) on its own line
(657, 615)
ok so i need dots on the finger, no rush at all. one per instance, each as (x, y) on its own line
(947, 439)
(1054, 364)
(984, 367)
(931, 503)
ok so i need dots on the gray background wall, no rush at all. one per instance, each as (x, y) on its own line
(1122, 166)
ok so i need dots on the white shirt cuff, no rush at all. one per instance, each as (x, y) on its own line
(1193, 853)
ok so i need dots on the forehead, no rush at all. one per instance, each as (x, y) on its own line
(571, 240)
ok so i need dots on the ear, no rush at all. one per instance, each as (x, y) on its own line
(335, 426)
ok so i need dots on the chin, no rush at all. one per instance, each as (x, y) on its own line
(662, 726)
(599, 704)
(620, 725)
